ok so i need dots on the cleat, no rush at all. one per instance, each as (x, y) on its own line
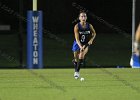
(76, 75)
(76, 78)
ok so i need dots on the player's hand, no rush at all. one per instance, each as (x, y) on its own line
(137, 51)
(90, 42)
(136, 48)
(82, 48)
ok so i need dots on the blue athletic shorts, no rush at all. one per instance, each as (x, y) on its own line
(75, 46)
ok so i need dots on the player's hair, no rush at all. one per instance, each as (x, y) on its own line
(82, 11)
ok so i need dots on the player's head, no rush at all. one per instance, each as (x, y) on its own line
(82, 16)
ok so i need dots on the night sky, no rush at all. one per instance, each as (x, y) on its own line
(58, 15)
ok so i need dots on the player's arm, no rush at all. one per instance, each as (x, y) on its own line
(93, 34)
(138, 34)
(77, 36)
(137, 40)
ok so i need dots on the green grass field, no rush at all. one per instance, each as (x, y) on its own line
(59, 84)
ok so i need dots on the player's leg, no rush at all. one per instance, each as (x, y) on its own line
(75, 50)
(81, 58)
(76, 59)
(75, 62)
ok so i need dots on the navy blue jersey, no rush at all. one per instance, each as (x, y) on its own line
(84, 33)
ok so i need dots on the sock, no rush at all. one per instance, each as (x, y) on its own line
(80, 63)
(75, 65)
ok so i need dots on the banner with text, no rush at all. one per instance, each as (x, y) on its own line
(34, 40)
